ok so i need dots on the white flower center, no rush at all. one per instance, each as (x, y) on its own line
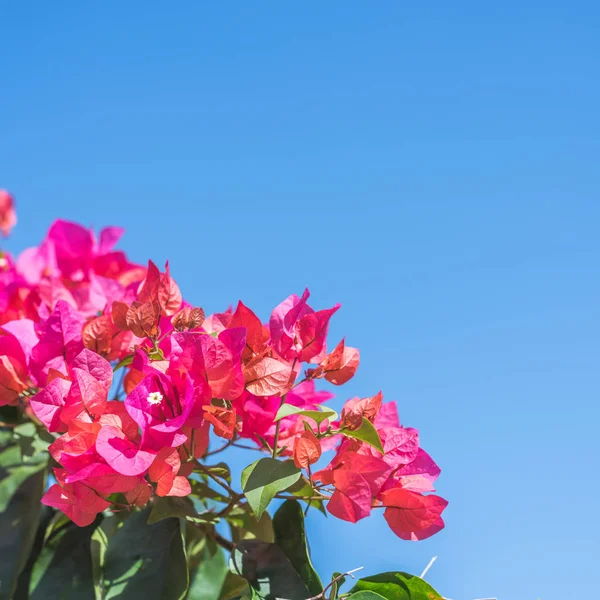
(154, 398)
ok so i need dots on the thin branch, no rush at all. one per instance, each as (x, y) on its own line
(429, 565)
(223, 542)
(216, 451)
(335, 580)
(216, 479)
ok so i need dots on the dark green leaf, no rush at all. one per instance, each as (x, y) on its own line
(233, 586)
(366, 433)
(337, 581)
(18, 524)
(146, 562)
(21, 488)
(220, 470)
(303, 489)
(63, 569)
(208, 578)
(171, 506)
(98, 547)
(265, 478)
(397, 586)
(268, 570)
(365, 596)
(245, 526)
(202, 491)
(124, 363)
(290, 536)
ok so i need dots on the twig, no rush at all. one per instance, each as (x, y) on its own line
(335, 580)
(216, 479)
(429, 565)
(224, 447)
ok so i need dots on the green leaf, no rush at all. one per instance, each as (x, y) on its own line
(20, 492)
(264, 478)
(146, 562)
(233, 586)
(98, 547)
(366, 596)
(366, 433)
(303, 489)
(396, 586)
(220, 470)
(30, 441)
(268, 570)
(245, 526)
(63, 569)
(13, 472)
(287, 410)
(124, 363)
(336, 584)
(208, 578)
(202, 491)
(171, 506)
(290, 536)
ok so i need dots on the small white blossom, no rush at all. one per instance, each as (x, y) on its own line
(154, 398)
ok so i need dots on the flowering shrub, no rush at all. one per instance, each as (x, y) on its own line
(115, 395)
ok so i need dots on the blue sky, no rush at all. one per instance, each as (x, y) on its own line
(434, 168)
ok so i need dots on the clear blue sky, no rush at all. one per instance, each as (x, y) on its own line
(434, 168)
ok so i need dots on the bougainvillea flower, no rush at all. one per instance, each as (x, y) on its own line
(164, 471)
(400, 445)
(307, 450)
(161, 410)
(297, 331)
(8, 215)
(14, 375)
(23, 330)
(413, 516)
(140, 494)
(78, 501)
(357, 480)
(355, 409)
(187, 319)
(257, 335)
(74, 308)
(217, 322)
(121, 453)
(256, 413)
(160, 289)
(86, 399)
(60, 337)
(352, 498)
(339, 366)
(222, 360)
(48, 403)
(266, 376)
(223, 420)
(417, 476)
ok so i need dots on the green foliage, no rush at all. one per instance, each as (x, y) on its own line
(290, 535)
(319, 416)
(265, 478)
(366, 433)
(145, 561)
(63, 568)
(395, 586)
(171, 506)
(21, 488)
(268, 570)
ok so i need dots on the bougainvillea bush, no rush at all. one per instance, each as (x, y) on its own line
(117, 397)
